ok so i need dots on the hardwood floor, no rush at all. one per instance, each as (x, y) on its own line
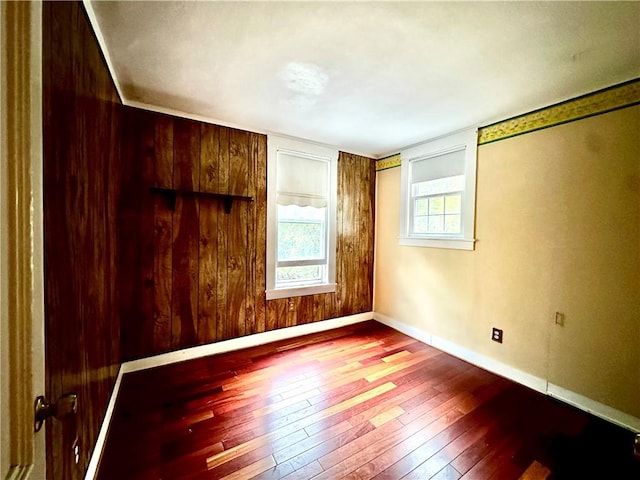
(360, 402)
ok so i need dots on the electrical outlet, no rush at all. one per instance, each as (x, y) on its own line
(496, 335)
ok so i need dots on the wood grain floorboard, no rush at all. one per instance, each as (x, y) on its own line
(359, 402)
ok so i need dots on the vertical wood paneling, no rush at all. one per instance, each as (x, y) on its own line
(271, 318)
(145, 257)
(114, 185)
(346, 216)
(354, 272)
(163, 237)
(209, 266)
(330, 301)
(366, 217)
(305, 310)
(222, 312)
(136, 221)
(186, 158)
(208, 256)
(291, 311)
(81, 186)
(127, 251)
(250, 320)
(238, 162)
(60, 110)
(237, 228)
(277, 313)
(260, 206)
(163, 151)
(318, 308)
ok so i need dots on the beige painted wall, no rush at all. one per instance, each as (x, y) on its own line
(558, 229)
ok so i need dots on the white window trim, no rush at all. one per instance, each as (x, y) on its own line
(275, 144)
(465, 139)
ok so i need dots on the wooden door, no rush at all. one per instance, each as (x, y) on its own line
(22, 453)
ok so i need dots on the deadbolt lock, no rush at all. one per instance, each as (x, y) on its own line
(66, 405)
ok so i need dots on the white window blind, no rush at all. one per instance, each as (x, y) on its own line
(440, 166)
(302, 181)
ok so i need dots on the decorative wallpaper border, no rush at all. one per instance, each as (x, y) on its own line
(388, 162)
(602, 101)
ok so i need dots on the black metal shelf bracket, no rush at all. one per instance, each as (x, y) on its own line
(171, 194)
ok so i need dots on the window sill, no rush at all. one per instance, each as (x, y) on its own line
(300, 291)
(448, 243)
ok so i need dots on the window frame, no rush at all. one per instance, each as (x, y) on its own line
(467, 140)
(295, 147)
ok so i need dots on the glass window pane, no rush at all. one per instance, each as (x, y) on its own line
(422, 205)
(436, 205)
(453, 204)
(436, 224)
(420, 224)
(308, 273)
(452, 224)
(300, 240)
(301, 232)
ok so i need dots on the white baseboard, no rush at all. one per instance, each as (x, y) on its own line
(596, 408)
(504, 370)
(409, 330)
(539, 384)
(243, 342)
(482, 361)
(98, 448)
(203, 351)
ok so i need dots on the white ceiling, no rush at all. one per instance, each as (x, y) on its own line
(366, 77)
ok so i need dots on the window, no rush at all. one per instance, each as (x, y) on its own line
(301, 213)
(438, 192)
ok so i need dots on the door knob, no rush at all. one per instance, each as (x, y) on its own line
(66, 405)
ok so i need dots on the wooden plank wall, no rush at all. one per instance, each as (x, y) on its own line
(196, 275)
(81, 127)
(124, 276)
(189, 276)
(354, 256)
